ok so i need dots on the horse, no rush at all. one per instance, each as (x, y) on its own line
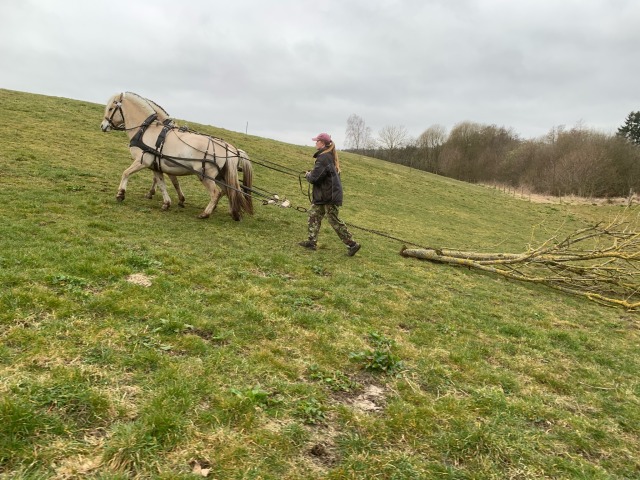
(245, 165)
(165, 148)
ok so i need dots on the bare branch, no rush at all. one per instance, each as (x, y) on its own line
(600, 262)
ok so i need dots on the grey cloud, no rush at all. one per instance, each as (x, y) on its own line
(295, 67)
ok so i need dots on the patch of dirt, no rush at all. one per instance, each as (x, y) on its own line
(200, 467)
(139, 279)
(371, 400)
(209, 336)
(323, 451)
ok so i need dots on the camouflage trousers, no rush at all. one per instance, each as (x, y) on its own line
(317, 213)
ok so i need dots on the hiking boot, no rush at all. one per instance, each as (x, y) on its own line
(308, 244)
(353, 249)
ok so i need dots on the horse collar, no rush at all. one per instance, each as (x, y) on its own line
(136, 141)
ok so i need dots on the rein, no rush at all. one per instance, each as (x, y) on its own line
(268, 198)
(169, 125)
(276, 200)
(137, 141)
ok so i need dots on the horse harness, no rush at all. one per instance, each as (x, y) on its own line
(118, 108)
(168, 124)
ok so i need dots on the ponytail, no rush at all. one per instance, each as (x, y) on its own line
(331, 148)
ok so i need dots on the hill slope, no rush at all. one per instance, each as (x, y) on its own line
(249, 357)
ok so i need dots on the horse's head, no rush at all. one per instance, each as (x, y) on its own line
(113, 115)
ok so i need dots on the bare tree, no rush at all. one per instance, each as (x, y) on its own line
(393, 137)
(358, 135)
(429, 145)
(432, 137)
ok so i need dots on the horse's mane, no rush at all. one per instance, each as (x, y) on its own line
(161, 111)
(151, 105)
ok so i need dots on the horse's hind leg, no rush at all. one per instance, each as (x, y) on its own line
(152, 191)
(176, 185)
(158, 178)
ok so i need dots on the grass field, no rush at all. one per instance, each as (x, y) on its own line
(248, 357)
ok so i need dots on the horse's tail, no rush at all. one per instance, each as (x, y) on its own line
(247, 179)
(237, 198)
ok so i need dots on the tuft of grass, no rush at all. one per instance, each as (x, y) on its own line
(380, 358)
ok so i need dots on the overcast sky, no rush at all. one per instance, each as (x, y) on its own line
(290, 69)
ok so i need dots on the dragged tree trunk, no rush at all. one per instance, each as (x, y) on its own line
(600, 262)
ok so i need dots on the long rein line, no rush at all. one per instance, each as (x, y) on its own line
(277, 167)
(268, 197)
(263, 162)
(352, 225)
(247, 191)
(176, 161)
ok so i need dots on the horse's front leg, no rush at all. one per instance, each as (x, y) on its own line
(176, 185)
(214, 193)
(136, 166)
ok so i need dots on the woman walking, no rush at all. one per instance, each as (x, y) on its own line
(327, 195)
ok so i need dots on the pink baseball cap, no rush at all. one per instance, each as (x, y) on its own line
(324, 137)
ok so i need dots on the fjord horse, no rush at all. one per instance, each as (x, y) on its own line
(244, 165)
(165, 148)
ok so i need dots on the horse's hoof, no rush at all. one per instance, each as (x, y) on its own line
(181, 204)
(149, 196)
(236, 217)
(165, 206)
(203, 216)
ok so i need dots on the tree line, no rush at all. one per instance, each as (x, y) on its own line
(577, 161)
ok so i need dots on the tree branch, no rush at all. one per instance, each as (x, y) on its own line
(599, 262)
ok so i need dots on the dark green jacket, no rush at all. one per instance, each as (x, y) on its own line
(327, 187)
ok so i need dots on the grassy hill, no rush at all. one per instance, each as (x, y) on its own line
(248, 357)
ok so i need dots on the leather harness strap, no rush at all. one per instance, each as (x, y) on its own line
(137, 141)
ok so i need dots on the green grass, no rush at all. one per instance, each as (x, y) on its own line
(253, 357)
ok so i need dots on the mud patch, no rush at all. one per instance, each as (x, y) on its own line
(200, 467)
(322, 448)
(324, 453)
(368, 399)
